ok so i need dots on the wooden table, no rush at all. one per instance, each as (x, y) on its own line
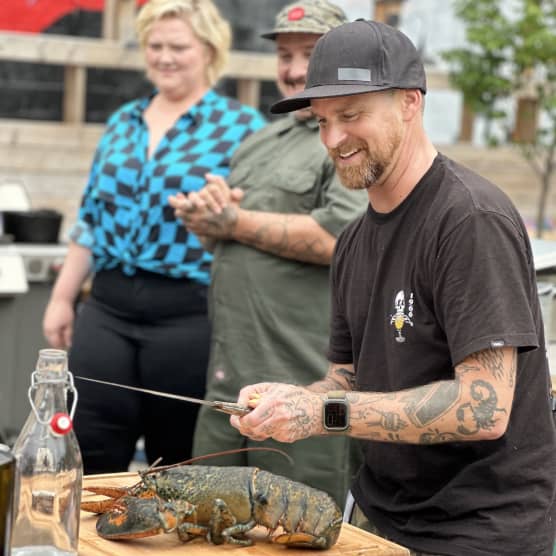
(352, 541)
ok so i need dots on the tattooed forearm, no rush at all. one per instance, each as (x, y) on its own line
(492, 360)
(479, 414)
(473, 405)
(339, 377)
(437, 437)
(427, 404)
(345, 375)
(327, 385)
(391, 422)
(277, 236)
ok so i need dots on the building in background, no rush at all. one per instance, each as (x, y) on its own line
(34, 91)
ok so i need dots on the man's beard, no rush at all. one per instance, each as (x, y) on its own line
(371, 169)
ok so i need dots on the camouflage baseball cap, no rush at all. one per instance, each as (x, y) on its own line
(307, 16)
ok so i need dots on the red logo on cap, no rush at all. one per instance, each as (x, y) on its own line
(296, 14)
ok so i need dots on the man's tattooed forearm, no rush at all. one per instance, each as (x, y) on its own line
(426, 404)
(275, 237)
(479, 413)
(327, 385)
(434, 436)
(493, 360)
(339, 378)
(347, 375)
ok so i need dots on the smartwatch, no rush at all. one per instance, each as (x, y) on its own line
(335, 414)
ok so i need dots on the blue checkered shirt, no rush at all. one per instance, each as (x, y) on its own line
(125, 219)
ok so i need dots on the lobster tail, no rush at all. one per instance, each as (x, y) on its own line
(309, 517)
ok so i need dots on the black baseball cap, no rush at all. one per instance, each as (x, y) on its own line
(358, 57)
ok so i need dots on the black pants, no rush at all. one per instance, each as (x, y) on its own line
(148, 331)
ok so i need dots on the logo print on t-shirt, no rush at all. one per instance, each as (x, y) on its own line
(399, 319)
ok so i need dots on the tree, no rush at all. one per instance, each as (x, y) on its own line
(510, 50)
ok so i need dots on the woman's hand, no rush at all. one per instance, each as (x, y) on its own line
(58, 323)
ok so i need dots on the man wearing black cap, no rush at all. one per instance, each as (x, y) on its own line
(438, 358)
(269, 295)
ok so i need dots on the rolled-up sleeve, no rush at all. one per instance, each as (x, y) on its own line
(82, 231)
(338, 205)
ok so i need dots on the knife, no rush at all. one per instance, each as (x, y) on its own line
(231, 408)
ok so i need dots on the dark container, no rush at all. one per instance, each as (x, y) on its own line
(7, 487)
(33, 226)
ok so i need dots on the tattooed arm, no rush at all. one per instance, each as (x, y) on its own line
(286, 412)
(215, 212)
(475, 405)
(292, 236)
(340, 377)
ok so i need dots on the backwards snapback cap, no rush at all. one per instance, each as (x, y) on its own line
(358, 57)
(307, 16)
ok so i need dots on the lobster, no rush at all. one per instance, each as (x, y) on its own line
(219, 504)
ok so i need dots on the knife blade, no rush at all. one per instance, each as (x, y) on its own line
(231, 408)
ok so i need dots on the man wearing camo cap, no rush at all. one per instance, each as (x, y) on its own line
(313, 17)
(269, 297)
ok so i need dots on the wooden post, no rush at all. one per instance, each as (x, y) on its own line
(109, 27)
(75, 97)
(118, 20)
(249, 92)
(126, 21)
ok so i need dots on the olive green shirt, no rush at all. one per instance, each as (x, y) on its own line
(270, 315)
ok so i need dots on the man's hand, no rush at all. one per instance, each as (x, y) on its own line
(283, 412)
(210, 212)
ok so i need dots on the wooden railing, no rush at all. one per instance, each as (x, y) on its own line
(77, 54)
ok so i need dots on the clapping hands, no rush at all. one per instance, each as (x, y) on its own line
(211, 212)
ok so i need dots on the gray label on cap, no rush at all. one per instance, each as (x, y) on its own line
(354, 74)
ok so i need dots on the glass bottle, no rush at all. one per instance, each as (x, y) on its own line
(49, 468)
(7, 487)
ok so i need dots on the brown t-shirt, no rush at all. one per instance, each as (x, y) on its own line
(448, 273)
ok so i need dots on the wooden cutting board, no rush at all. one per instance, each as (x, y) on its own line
(352, 541)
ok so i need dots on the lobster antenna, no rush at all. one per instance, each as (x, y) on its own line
(153, 469)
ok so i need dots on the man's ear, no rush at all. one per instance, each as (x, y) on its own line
(411, 102)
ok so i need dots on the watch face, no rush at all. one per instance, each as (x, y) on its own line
(336, 415)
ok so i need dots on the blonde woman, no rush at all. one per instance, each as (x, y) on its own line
(145, 322)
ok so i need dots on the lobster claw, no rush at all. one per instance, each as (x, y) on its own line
(132, 518)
